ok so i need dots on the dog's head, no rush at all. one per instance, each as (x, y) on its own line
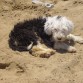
(59, 27)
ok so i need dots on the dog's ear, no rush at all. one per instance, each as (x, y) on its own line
(70, 25)
(48, 26)
(67, 23)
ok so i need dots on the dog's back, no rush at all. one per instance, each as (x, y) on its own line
(26, 32)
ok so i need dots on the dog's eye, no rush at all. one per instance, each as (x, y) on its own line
(55, 30)
(63, 30)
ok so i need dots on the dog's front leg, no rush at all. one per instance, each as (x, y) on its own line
(63, 46)
(77, 39)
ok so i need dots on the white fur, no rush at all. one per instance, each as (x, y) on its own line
(77, 39)
(60, 28)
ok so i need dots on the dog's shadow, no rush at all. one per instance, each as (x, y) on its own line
(69, 43)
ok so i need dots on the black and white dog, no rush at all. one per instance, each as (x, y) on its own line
(52, 31)
(27, 34)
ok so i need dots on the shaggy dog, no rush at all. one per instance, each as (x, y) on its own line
(50, 31)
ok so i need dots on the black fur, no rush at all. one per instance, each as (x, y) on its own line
(27, 31)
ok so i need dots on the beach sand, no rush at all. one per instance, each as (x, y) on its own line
(21, 67)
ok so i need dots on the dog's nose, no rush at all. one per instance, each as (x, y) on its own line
(59, 38)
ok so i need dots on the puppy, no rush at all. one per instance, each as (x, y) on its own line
(51, 32)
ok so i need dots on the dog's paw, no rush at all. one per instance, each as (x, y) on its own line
(43, 54)
(47, 55)
(79, 40)
(71, 49)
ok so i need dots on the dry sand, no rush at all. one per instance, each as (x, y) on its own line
(21, 67)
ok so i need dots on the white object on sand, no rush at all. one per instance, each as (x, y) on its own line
(48, 5)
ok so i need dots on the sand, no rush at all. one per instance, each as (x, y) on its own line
(21, 67)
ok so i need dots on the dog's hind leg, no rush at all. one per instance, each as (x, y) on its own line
(42, 51)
